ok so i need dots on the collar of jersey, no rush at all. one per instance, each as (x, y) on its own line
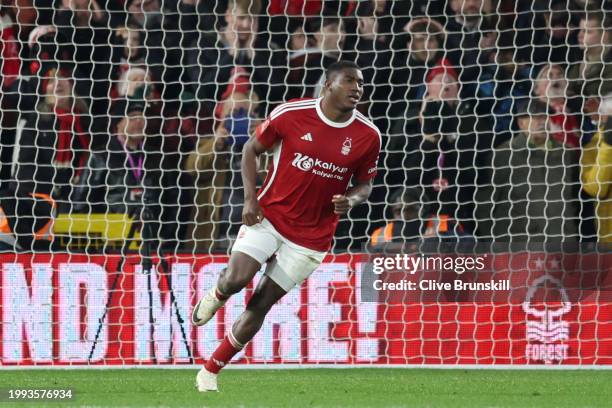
(331, 122)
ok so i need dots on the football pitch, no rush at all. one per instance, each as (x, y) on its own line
(359, 387)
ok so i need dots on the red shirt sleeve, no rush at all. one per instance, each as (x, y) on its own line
(368, 168)
(267, 133)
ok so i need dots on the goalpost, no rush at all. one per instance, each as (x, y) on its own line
(120, 188)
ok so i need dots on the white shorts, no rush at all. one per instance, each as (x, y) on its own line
(293, 263)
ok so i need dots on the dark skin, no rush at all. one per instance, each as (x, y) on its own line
(341, 94)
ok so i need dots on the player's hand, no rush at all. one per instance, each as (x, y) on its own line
(251, 212)
(341, 204)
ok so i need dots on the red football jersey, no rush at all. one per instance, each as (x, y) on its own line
(313, 160)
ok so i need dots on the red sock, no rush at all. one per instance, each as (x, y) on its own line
(222, 355)
(220, 295)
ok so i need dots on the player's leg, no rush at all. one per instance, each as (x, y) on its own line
(290, 267)
(253, 247)
(240, 271)
(247, 325)
(249, 322)
(244, 329)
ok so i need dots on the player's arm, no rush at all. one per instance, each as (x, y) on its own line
(364, 176)
(251, 213)
(353, 196)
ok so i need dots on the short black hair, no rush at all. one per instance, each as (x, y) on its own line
(339, 66)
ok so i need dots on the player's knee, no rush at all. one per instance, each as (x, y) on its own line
(230, 283)
(233, 280)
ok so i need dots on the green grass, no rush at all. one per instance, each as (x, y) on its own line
(360, 387)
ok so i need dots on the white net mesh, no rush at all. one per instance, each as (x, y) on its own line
(122, 130)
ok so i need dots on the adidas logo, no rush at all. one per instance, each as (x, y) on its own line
(307, 137)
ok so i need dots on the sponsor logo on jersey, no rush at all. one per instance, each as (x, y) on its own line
(307, 137)
(302, 162)
(318, 167)
(546, 331)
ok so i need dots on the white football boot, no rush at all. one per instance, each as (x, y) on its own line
(206, 308)
(206, 381)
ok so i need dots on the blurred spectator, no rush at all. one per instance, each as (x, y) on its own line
(180, 129)
(57, 131)
(593, 75)
(237, 45)
(516, 207)
(447, 159)
(146, 13)
(422, 8)
(390, 16)
(406, 209)
(372, 52)
(9, 49)
(9, 86)
(83, 25)
(116, 177)
(554, 37)
(215, 165)
(463, 31)
(411, 220)
(53, 148)
(281, 16)
(425, 40)
(596, 168)
(129, 46)
(304, 61)
(26, 220)
(330, 38)
(136, 83)
(502, 83)
(551, 88)
(167, 33)
(300, 43)
(24, 14)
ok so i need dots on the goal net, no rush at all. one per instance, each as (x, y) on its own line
(485, 240)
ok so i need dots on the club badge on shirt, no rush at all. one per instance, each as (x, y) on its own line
(346, 146)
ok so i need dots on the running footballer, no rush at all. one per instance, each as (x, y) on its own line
(319, 147)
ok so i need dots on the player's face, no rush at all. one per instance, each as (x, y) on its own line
(346, 88)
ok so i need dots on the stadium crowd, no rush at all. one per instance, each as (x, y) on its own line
(495, 115)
